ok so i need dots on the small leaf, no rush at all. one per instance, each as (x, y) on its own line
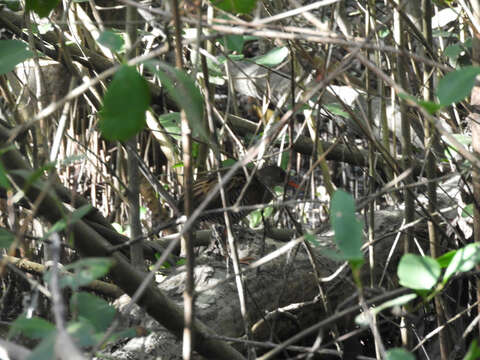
(94, 309)
(347, 228)
(3, 178)
(464, 260)
(233, 43)
(399, 354)
(63, 223)
(33, 328)
(12, 53)
(181, 88)
(6, 238)
(235, 6)
(84, 272)
(44, 350)
(430, 106)
(467, 211)
(124, 105)
(41, 7)
(418, 272)
(445, 259)
(473, 351)
(171, 123)
(273, 57)
(111, 40)
(336, 109)
(457, 85)
(83, 332)
(312, 239)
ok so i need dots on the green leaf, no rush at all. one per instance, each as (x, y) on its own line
(63, 223)
(347, 228)
(255, 218)
(3, 178)
(181, 88)
(430, 106)
(467, 211)
(171, 123)
(97, 311)
(44, 350)
(273, 57)
(233, 43)
(6, 238)
(124, 105)
(12, 53)
(111, 40)
(312, 239)
(41, 7)
(336, 109)
(457, 85)
(235, 6)
(473, 351)
(464, 260)
(418, 272)
(453, 52)
(84, 272)
(445, 259)
(399, 354)
(13, 5)
(83, 332)
(33, 328)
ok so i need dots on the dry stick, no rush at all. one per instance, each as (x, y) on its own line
(186, 238)
(137, 256)
(430, 139)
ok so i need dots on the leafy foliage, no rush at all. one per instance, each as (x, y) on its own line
(124, 105)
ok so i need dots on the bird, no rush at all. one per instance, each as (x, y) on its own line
(259, 191)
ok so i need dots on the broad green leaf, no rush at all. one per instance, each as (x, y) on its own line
(347, 228)
(457, 85)
(94, 309)
(235, 6)
(41, 7)
(124, 105)
(418, 272)
(6, 238)
(111, 40)
(464, 260)
(12, 53)
(399, 354)
(33, 328)
(181, 88)
(273, 58)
